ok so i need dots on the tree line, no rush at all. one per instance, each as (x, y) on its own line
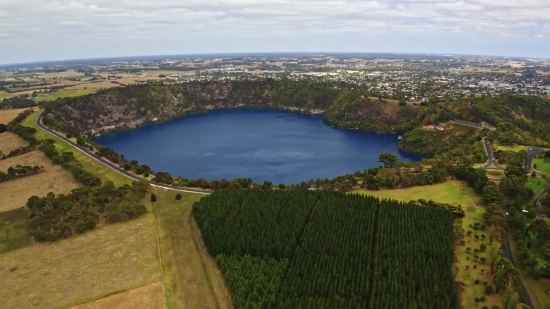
(60, 216)
(19, 171)
(327, 249)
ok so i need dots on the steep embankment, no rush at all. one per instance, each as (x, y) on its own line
(129, 107)
(520, 120)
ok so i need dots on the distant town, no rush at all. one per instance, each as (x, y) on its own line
(409, 78)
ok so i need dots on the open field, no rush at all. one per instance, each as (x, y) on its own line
(452, 192)
(8, 115)
(88, 163)
(537, 184)
(542, 166)
(145, 297)
(9, 142)
(15, 193)
(14, 231)
(4, 94)
(188, 282)
(115, 258)
(62, 94)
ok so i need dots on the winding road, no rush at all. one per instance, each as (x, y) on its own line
(108, 164)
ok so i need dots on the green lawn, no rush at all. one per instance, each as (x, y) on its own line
(452, 192)
(88, 163)
(62, 94)
(537, 184)
(14, 231)
(515, 148)
(542, 166)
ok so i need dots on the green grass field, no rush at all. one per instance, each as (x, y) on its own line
(452, 192)
(190, 281)
(88, 163)
(515, 148)
(542, 166)
(63, 94)
(537, 184)
(14, 231)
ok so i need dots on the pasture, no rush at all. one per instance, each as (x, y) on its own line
(62, 94)
(146, 297)
(451, 192)
(8, 115)
(68, 272)
(14, 231)
(9, 142)
(190, 276)
(15, 193)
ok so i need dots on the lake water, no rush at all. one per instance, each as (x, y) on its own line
(278, 146)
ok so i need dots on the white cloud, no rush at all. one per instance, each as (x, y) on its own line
(71, 29)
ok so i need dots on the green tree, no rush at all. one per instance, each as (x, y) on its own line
(153, 197)
(389, 159)
(3, 128)
(491, 193)
(178, 196)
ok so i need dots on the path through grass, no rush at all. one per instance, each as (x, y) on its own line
(188, 282)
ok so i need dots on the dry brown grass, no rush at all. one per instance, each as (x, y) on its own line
(115, 258)
(10, 141)
(15, 193)
(8, 115)
(146, 297)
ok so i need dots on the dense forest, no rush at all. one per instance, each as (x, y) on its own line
(518, 119)
(325, 249)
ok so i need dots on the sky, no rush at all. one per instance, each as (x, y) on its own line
(38, 30)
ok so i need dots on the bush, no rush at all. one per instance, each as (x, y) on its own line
(482, 298)
(146, 174)
(495, 307)
(178, 197)
(488, 289)
(476, 281)
(127, 166)
(153, 197)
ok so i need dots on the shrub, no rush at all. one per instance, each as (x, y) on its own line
(475, 266)
(178, 197)
(153, 197)
(146, 174)
(495, 307)
(488, 289)
(476, 281)
(482, 298)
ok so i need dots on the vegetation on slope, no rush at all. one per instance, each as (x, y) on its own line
(326, 249)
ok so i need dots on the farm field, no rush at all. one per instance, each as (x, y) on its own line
(62, 94)
(188, 282)
(14, 231)
(15, 193)
(9, 142)
(115, 258)
(4, 94)
(537, 184)
(88, 163)
(542, 166)
(8, 115)
(451, 192)
(146, 297)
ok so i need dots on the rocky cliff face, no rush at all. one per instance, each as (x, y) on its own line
(130, 107)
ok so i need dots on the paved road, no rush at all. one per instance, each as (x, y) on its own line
(490, 155)
(508, 251)
(108, 164)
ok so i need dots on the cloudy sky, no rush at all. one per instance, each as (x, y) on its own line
(36, 30)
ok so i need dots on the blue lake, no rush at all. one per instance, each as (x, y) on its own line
(278, 146)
